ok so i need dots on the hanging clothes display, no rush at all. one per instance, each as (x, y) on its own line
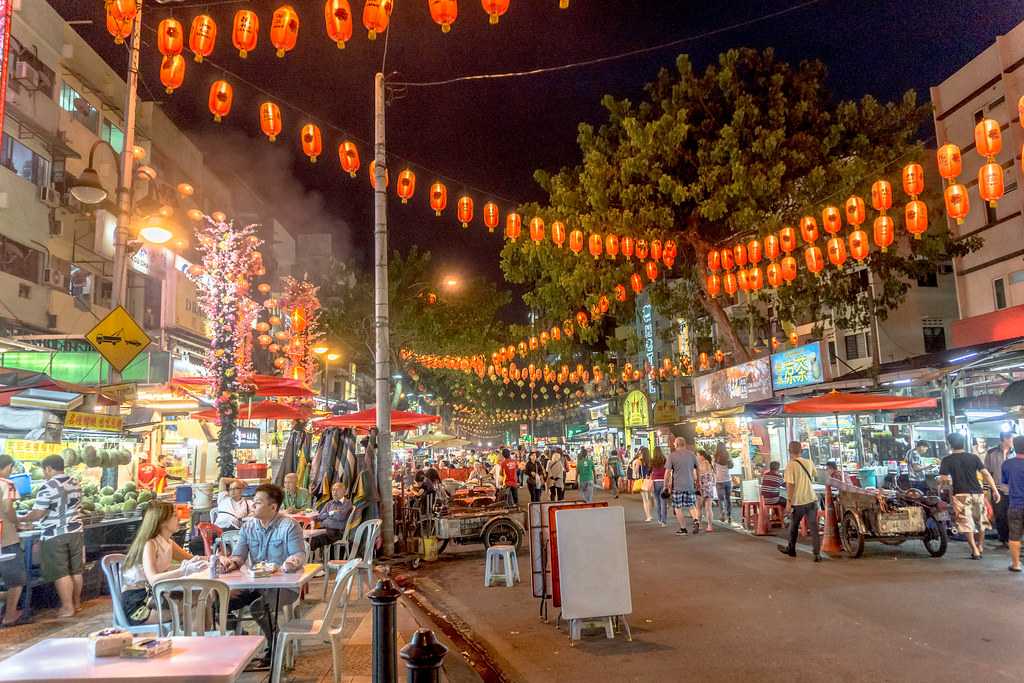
(298, 439)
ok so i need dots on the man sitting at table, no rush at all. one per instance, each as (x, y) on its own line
(295, 499)
(267, 537)
(333, 518)
(771, 485)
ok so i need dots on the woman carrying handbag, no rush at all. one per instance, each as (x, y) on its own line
(643, 474)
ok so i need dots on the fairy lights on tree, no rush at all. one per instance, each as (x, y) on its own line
(230, 259)
(302, 306)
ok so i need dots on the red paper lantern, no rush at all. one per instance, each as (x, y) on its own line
(773, 273)
(754, 251)
(787, 240)
(884, 232)
(245, 32)
(119, 28)
(620, 293)
(730, 283)
(641, 249)
(815, 261)
(576, 241)
(656, 250)
(668, 258)
(836, 248)
(728, 262)
(859, 247)
(611, 245)
(626, 245)
(170, 37)
(831, 219)
(636, 282)
(376, 14)
(348, 155)
(172, 72)
(809, 229)
(670, 248)
(312, 143)
(958, 205)
(270, 120)
(990, 183)
(439, 198)
(856, 213)
(714, 261)
(537, 229)
(602, 304)
(464, 210)
(713, 283)
(444, 13)
(741, 279)
(491, 216)
(558, 233)
(581, 319)
(771, 247)
(651, 268)
(406, 185)
(202, 36)
(913, 179)
(284, 29)
(494, 9)
(122, 10)
(950, 161)
(988, 138)
(881, 195)
(513, 225)
(755, 278)
(739, 254)
(338, 20)
(916, 215)
(788, 267)
(595, 244)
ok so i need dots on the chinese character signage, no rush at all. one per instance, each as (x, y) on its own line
(735, 386)
(799, 367)
(247, 437)
(93, 421)
(635, 410)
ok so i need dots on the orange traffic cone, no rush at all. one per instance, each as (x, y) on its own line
(830, 544)
(762, 519)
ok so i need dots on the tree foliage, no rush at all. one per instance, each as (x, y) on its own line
(748, 145)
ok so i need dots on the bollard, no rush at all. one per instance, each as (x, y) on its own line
(385, 630)
(423, 657)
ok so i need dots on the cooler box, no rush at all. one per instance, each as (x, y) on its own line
(23, 483)
(251, 470)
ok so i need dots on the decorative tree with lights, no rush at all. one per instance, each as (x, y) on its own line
(300, 302)
(230, 259)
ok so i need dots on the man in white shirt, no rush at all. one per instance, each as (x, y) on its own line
(232, 508)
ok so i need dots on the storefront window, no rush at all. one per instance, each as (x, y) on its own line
(20, 261)
(113, 135)
(79, 107)
(24, 162)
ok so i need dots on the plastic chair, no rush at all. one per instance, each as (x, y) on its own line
(319, 630)
(334, 555)
(364, 545)
(208, 532)
(190, 603)
(112, 565)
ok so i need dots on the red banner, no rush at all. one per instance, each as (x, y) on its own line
(6, 10)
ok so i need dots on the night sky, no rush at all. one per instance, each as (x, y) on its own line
(490, 136)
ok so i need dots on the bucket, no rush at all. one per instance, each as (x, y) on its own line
(868, 477)
(202, 496)
(22, 482)
(183, 494)
(430, 549)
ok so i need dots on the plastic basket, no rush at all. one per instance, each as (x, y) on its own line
(23, 483)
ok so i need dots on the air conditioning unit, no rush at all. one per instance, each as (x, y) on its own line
(49, 195)
(26, 75)
(55, 278)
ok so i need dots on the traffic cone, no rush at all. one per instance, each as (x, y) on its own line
(830, 544)
(762, 519)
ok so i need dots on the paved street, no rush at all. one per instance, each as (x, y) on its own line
(727, 606)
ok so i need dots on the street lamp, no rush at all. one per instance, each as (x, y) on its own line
(320, 349)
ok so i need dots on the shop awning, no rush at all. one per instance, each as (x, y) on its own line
(265, 385)
(366, 419)
(264, 410)
(839, 403)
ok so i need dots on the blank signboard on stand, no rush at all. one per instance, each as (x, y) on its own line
(593, 563)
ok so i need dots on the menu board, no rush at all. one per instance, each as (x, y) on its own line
(799, 367)
(735, 386)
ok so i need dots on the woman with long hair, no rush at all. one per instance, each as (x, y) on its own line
(151, 558)
(706, 476)
(658, 479)
(534, 476)
(643, 473)
(723, 482)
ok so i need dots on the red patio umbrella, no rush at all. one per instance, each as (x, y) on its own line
(365, 419)
(836, 402)
(266, 385)
(264, 410)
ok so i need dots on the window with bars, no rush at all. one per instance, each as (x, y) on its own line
(857, 346)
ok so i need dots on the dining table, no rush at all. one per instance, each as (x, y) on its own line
(196, 659)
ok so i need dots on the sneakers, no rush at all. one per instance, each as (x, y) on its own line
(681, 532)
(661, 524)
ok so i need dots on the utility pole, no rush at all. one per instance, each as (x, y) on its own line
(380, 248)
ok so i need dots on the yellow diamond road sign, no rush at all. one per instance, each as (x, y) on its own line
(118, 338)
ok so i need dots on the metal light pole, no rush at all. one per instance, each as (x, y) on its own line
(124, 188)
(383, 354)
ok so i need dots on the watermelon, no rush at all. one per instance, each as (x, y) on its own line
(130, 486)
(124, 457)
(70, 457)
(145, 496)
(118, 497)
(90, 457)
(88, 505)
(36, 473)
(129, 505)
(107, 491)
(90, 490)
(106, 501)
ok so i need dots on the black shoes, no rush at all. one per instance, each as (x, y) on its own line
(785, 551)
(682, 532)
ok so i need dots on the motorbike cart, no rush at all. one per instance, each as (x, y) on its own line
(891, 517)
(475, 514)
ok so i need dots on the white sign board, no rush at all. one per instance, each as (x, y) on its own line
(593, 562)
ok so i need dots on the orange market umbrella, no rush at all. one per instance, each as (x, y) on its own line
(836, 402)
(266, 385)
(366, 419)
(264, 410)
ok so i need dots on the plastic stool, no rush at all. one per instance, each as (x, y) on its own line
(506, 554)
(751, 509)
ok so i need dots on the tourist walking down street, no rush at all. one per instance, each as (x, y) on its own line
(682, 469)
(556, 477)
(994, 460)
(613, 470)
(723, 482)
(960, 469)
(706, 497)
(1013, 478)
(801, 500)
(658, 479)
(534, 476)
(585, 475)
(642, 466)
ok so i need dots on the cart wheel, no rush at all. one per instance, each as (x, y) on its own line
(503, 531)
(935, 538)
(444, 544)
(853, 539)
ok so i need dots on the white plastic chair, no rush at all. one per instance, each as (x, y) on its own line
(334, 555)
(326, 629)
(112, 566)
(363, 547)
(190, 603)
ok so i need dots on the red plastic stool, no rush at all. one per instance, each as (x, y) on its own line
(749, 513)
